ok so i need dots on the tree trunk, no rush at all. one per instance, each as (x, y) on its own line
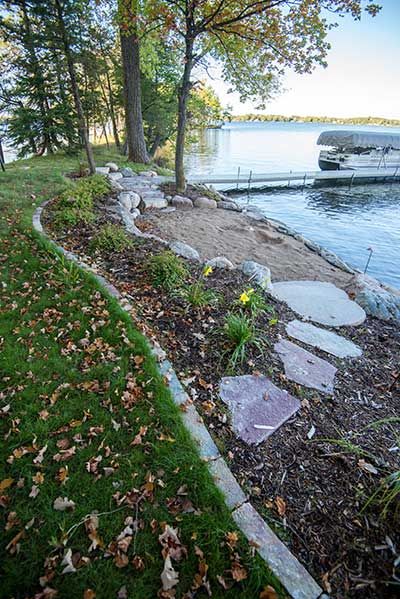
(183, 97)
(75, 90)
(137, 151)
(112, 113)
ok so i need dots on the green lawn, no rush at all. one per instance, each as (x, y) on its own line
(85, 416)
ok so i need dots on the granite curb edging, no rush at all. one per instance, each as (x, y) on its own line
(284, 565)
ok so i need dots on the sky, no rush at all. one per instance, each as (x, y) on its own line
(362, 77)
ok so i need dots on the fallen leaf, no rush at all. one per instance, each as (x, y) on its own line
(61, 504)
(238, 572)
(268, 593)
(280, 505)
(367, 467)
(89, 594)
(169, 576)
(34, 491)
(67, 562)
(5, 483)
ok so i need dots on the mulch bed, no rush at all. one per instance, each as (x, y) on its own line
(310, 489)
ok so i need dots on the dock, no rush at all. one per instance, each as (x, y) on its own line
(246, 180)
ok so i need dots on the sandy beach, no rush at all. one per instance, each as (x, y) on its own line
(239, 237)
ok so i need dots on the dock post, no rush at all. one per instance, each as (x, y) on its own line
(249, 183)
(238, 176)
(288, 181)
(2, 159)
(395, 175)
(351, 180)
(304, 181)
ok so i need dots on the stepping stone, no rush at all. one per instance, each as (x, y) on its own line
(326, 340)
(320, 302)
(257, 406)
(301, 366)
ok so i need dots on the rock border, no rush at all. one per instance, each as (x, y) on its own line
(283, 564)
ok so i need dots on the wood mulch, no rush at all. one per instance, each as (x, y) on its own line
(312, 477)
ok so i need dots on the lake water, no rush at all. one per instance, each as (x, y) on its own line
(348, 222)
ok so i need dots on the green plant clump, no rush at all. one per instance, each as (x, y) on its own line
(240, 333)
(198, 296)
(387, 494)
(167, 270)
(110, 238)
(75, 204)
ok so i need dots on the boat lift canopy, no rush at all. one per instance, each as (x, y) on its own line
(359, 139)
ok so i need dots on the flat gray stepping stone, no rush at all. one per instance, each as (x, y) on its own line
(257, 406)
(301, 366)
(326, 340)
(320, 302)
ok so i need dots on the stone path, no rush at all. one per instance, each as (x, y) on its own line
(328, 341)
(257, 406)
(320, 302)
(302, 367)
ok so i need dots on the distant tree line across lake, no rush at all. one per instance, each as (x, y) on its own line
(357, 120)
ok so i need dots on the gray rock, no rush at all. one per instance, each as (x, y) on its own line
(302, 367)
(320, 302)
(257, 406)
(127, 172)
(182, 203)
(377, 300)
(184, 250)
(335, 260)
(148, 174)
(129, 199)
(135, 213)
(258, 273)
(220, 262)
(168, 209)
(205, 203)
(322, 339)
(115, 186)
(102, 170)
(114, 168)
(156, 202)
(227, 483)
(114, 176)
(225, 205)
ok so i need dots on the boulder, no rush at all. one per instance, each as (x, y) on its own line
(228, 205)
(377, 300)
(182, 203)
(114, 168)
(129, 199)
(102, 170)
(184, 250)
(135, 213)
(127, 172)
(114, 176)
(258, 273)
(220, 262)
(204, 202)
(156, 202)
(148, 174)
(115, 186)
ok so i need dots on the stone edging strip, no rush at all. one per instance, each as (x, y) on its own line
(284, 565)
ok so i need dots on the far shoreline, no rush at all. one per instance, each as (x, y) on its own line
(279, 118)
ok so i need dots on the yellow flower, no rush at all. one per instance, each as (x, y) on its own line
(207, 271)
(244, 298)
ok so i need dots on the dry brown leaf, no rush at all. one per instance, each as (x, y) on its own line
(5, 483)
(268, 593)
(280, 505)
(89, 594)
(238, 572)
(61, 504)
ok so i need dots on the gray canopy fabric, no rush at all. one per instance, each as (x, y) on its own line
(359, 139)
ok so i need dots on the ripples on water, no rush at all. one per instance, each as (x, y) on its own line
(345, 221)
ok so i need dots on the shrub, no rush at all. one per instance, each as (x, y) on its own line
(167, 270)
(75, 205)
(71, 216)
(110, 238)
(240, 333)
(387, 494)
(84, 192)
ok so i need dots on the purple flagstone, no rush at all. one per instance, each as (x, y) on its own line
(301, 366)
(257, 406)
